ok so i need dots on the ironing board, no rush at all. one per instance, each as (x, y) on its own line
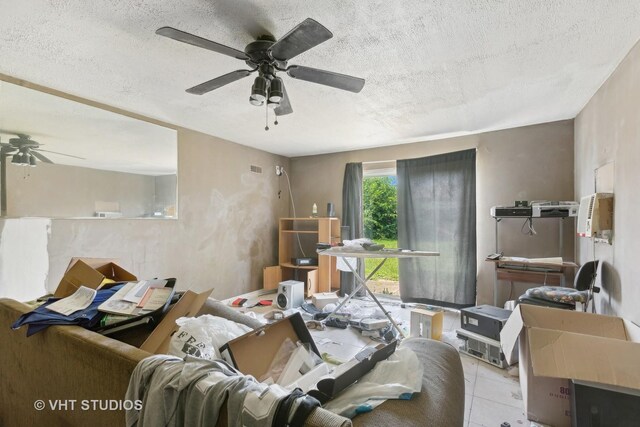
(345, 253)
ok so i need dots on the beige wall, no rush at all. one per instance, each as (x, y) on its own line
(528, 163)
(166, 194)
(226, 231)
(608, 130)
(69, 191)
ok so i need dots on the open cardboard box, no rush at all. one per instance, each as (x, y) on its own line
(253, 353)
(241, 352)
(90, 272)
(556, 345)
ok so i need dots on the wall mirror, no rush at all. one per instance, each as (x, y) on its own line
(60, 158)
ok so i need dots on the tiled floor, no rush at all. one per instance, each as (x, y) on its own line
(492, 396)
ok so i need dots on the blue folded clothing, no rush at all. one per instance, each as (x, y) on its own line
(41, 318)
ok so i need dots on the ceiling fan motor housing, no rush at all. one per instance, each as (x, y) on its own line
(260, 57)
(23, 142)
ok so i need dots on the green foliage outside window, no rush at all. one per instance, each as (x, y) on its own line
(380, 197)
(379, 208)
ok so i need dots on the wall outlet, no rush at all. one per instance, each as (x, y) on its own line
(279, 170)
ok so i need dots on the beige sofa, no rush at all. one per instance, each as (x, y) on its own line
(73, 365)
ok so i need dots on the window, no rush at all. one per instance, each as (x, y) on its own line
(379, 203)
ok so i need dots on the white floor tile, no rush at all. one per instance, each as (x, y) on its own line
(498, 391)
(468, 400)
(492, 372)
(470, 368)
(491, 414)
(451, 320)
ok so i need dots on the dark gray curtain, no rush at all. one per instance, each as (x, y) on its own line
(437, 212)
(352, 218)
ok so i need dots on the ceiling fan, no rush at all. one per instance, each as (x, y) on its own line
(268, 56)
(26, 151)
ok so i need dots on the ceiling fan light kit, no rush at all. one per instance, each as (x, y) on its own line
(259, 89)
(275, 90)
(23, 159)
(268, 56)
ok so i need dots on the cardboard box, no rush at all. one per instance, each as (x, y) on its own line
(90, 272)
(188, 306)
(557, 345)
(253, 352)
(426, 323)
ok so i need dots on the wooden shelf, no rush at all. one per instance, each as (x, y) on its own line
(319, 278)
(300, 231)
(331, 218)
(550, 278)
(300, 267)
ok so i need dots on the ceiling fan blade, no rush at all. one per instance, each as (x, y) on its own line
(327, 78)
(34, 151)
(285, 105)
(301, 38)
(40, 156)
(218, 82)
(194, 40)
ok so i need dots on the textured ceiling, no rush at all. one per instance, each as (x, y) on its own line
(432, 68)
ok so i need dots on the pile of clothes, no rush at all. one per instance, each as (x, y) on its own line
(192, 392)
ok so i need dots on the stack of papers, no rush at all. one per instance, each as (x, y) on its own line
(136, 298)
(552, 261)
(543, 264)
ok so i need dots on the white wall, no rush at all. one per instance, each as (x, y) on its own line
(608, 130)
(24, 258)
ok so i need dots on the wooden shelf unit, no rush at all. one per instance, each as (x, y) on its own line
(297, 237)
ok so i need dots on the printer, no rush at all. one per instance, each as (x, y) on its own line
(510, 211)
(546, 209)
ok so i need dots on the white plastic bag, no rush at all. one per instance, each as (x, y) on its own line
(202, 336)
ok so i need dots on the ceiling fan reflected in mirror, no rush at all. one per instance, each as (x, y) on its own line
(24, 151)
(268, 56)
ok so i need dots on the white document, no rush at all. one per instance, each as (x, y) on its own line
(158, 298)
(117, 304)
(137, 292)
(80, 300)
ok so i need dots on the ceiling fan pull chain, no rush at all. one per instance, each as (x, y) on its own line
(275, 114)
(266, 116)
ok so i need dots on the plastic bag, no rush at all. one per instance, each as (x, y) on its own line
(202, 336)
